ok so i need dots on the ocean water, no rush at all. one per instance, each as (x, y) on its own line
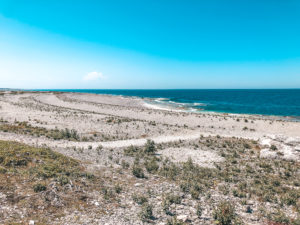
(279, 102)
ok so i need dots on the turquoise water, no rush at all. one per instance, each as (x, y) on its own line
(280, 102)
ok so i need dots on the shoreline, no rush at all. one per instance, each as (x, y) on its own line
(150, 103)
(127, 103)
(107, 118)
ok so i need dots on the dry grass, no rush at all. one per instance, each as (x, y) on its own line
(38, 182)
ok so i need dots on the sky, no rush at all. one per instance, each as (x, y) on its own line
(149, 44)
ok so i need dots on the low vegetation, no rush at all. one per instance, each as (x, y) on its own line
(224, 214)
(26, 128)
(243, 176)
(40, 181)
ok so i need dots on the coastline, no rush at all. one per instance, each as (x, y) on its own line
(109, 135)
(197, 106)
(125, 105)
(150, 103)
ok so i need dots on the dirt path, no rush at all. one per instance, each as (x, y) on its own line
(110, 144)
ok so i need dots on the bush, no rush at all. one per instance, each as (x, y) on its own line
(125, 165)
(138, 171)
(199, 210)
(247, 146)
(131, 150)
(168, 200)
(248, 209)
(146, 212)
(63, 180)
(279, 218)
(118, 188)
(174, 221)
(176, 199)
(150, 147)
(195, 193)
(273, 148)
(291, 197)
(2, 170)
(39, 187)
(68, 134)
(224, 214)
(151, 165)
(99, 148)
(139, 199)
(107, 193)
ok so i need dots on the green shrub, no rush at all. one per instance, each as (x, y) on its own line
(151, 165)
(174, 221)
(291, 197)
(131, 150)
(39, 187)
(118, 188)
(146, 212)
(107, 193)
(150, 148)
(247, 146)
(139, 199)
(125, 165)
(273, 147)
(199, 210)
(137, 171)
(279, 218)
(224, 214)
(2, 170)
(63, 180)
(248, 209)
(168, 200)
(195, 193)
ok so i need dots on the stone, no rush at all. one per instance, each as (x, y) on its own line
(138, 184)
(266, 153)
(182, 217)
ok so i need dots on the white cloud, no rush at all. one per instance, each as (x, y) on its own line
(93, 76)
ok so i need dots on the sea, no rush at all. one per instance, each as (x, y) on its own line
(272, 102)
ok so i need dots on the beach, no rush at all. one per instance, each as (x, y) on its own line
(90, 113)
(116, 123)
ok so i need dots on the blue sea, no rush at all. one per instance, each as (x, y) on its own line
(278, 102)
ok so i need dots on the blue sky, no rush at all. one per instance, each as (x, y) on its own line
(150, 44)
